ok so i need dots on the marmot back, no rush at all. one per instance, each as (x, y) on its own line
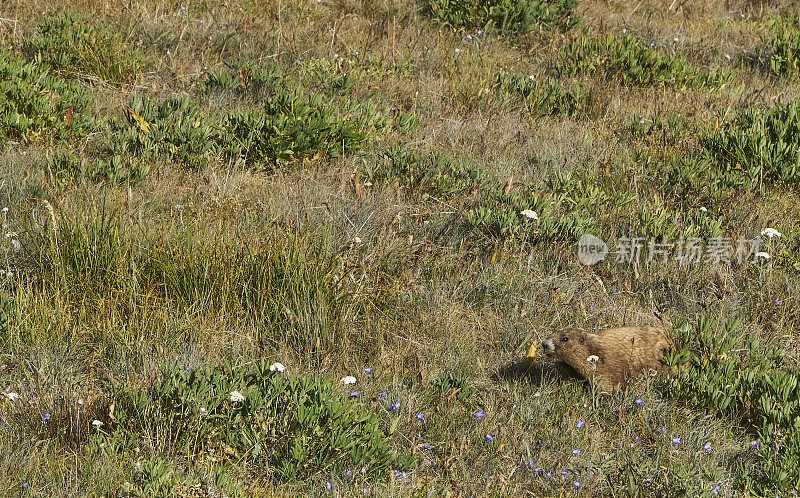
(620, 353)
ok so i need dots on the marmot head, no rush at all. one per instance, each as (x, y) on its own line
(567, 343)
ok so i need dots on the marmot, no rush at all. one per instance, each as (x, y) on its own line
(620, 353)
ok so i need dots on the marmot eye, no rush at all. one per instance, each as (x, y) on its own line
(564, 339)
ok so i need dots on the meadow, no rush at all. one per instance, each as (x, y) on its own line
(302, 247)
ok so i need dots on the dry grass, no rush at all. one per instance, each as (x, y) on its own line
(429, 301)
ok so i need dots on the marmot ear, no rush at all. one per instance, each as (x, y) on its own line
(583, 338)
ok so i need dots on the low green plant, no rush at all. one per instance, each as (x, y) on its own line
(664, 132)
(287, 129)
(750, 382)
(436, 175)
(284, 427)
(507, 16)
(629, 61)
(498, 214)
(246, 78)
(37, 105)
(75, 46)
(491, 209)
(291, 128)
(546, 97)
(759, 145)
(660, 221)
(782, 47)
(64, 168)
(176, 128)
(450, 385)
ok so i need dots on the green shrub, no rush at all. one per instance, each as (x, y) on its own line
(632, 63)
(508, 16)
(762, 145)
(75, 46)
(749, 382)
(38, 106)
(287, 427)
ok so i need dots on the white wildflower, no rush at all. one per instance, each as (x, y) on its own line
(16, 244)
(97, 423)
(592, 359)
(348, 380)
(203, 412)
(277, 367)
(12, 396)
(237, 397)
(530, 214)
(770, 232)
(357, 240)
(703, 209)
(762, 254)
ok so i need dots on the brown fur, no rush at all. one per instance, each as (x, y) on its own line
(621, 352)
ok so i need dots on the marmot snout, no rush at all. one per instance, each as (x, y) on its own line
(617, 353)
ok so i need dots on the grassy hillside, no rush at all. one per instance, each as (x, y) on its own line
(259, 247)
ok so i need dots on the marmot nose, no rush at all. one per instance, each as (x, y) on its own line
(548, 346)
